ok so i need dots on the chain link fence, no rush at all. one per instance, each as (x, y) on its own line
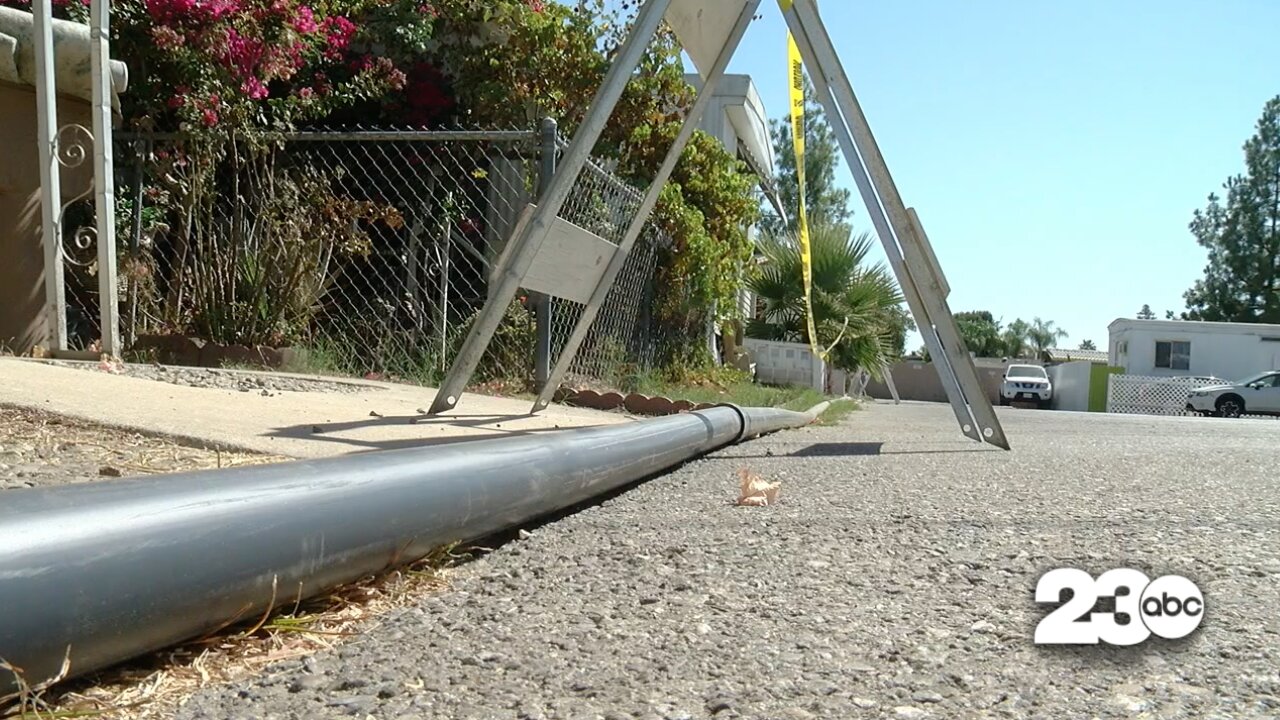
(624, 339)
(355, 253)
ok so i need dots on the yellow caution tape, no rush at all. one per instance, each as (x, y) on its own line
(796, 76)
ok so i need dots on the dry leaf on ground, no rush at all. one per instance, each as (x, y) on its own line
(113, 365)
(755, 491)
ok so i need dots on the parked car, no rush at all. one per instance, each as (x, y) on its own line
(1258, 395)
(1026, 383)
(1203, 380)
(1158, 393)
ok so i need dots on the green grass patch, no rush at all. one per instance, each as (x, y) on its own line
(837, 411)
(722, 385)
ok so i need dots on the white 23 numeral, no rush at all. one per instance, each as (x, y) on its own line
(1062, 627)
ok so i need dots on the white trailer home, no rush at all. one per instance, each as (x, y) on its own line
(1186, 348)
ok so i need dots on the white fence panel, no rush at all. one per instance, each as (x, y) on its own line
(784, 363)
(1071, 385)
(1150, 395)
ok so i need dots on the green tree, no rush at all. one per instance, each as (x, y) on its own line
(1145, 313)
(901, 324)
(824, 201)
(981, 333)
(1043, 335)
(1087, 345)
(1242, 278)
(856, 304)
(1016, 338)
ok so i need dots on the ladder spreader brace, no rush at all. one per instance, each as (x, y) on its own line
(595, 263)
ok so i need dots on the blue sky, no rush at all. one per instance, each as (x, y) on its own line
(1055, 151)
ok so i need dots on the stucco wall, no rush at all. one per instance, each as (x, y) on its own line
(917, 380)
(22, 320)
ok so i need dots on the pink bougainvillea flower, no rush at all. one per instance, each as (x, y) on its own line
(192, 12)
(210, 117)
(395, 76)
(254, 88)
(537, 5)
(305, 22)
(241, 53)
(165, 37)
(306, 93)
(279, 63)
(360, 64)
(216, 9)
(338, 32)
(321, 84)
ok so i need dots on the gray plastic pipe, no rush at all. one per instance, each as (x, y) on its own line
(115, 569)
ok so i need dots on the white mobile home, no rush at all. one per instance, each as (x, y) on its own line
(1181, 348)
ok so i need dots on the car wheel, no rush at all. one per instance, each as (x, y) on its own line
(1230, 406)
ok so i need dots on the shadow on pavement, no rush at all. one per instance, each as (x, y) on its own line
(324, 432)
(853, 449)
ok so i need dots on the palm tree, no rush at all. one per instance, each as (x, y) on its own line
(1015, 338)
(856, 305)
(1045, 335)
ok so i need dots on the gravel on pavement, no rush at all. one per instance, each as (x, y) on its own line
(264, 383)
(895, 578)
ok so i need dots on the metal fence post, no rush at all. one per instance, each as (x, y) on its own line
(104, 179)
(549, 135)
(50, 176)
(141, 150)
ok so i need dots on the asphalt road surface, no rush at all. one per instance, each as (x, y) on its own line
(895, 578)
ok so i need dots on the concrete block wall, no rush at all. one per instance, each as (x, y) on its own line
(784, 363)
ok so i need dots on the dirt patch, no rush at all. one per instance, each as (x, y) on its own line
(38, 449)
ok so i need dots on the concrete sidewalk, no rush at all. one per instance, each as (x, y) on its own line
(380, 416)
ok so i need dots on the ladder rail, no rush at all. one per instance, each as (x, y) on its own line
(903, 243)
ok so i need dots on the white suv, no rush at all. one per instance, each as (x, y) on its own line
(1026, 383)
(1258, 395)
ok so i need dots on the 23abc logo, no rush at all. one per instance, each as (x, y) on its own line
(1171, 607)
